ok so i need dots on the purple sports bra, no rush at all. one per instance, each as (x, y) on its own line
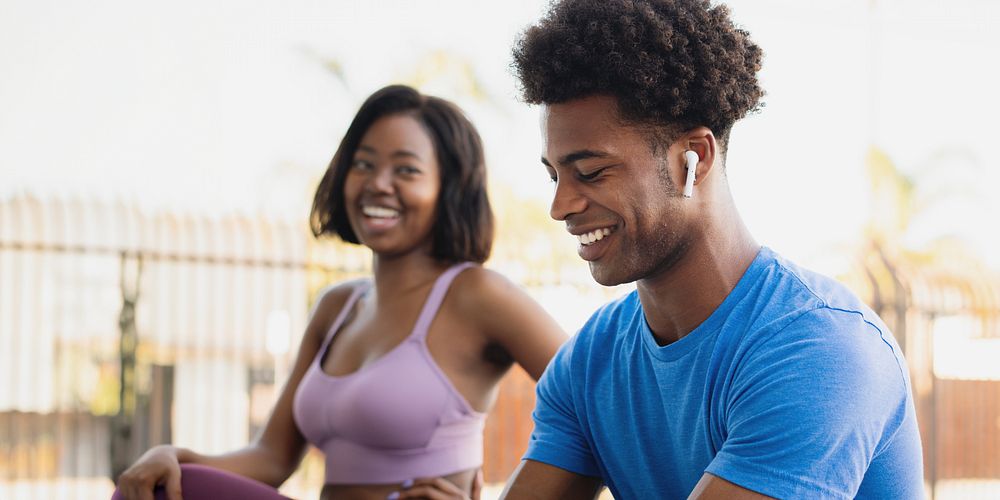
(396, 418)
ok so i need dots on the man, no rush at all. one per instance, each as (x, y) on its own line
(730, 372)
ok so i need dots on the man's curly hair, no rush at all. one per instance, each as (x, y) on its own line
(669, 63)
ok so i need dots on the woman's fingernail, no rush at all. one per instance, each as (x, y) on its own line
(407, 483)
(392, 496)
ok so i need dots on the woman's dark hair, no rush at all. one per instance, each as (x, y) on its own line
(669, 63)
(463, 230)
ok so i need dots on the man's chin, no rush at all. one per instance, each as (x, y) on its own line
(607, 275)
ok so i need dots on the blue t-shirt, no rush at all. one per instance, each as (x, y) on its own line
(792, 388)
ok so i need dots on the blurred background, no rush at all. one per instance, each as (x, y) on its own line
(157, 164)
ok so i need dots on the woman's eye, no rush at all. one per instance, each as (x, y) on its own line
(407, 170)
(361, 165)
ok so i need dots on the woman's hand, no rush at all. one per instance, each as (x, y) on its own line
(438, 489)
(158, 466)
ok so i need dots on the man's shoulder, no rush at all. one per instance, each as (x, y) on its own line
(810, 317)
(795, 306)
(801, 292)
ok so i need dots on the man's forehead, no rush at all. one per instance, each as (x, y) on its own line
(589, 124)
(594, 108)
(579, 116)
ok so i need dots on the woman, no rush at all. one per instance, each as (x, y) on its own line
(395, 374)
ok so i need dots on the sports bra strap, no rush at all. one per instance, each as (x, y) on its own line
(344, 311)
(435, 298)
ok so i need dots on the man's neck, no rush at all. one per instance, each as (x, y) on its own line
(679, 299)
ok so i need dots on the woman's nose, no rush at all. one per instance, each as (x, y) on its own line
(380, 180)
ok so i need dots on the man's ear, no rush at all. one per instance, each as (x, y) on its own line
(701, 140)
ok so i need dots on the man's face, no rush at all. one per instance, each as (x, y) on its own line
(613, 192)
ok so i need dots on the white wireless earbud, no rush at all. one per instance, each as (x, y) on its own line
(692, 167)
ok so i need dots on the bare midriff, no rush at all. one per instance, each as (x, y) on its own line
(462, 479)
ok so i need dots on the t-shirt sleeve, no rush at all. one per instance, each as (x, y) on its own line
(558, 438)
(811, 406)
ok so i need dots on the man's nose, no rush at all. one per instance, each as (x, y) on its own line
(566, 201)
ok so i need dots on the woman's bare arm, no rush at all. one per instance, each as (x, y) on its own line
(276, 452)
(511, 319)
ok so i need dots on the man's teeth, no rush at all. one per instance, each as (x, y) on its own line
(380, 212)
(595, 235)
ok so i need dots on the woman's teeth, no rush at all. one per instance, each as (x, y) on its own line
(380, 212)
(595, 235)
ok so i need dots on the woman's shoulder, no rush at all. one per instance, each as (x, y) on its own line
(330, 300)
(509, 317)
(340, 292)
(477, 283)
(481, 292)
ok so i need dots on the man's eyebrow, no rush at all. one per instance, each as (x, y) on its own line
(576, 156)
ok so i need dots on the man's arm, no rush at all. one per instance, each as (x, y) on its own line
(816, 403)
(715, 488)
(537, 480)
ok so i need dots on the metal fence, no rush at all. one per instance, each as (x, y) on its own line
(106, 309)
(122, 328)
(945, 312)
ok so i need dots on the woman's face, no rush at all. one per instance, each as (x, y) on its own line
(392, 187)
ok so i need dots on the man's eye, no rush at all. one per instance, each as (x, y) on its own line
(591, 176)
